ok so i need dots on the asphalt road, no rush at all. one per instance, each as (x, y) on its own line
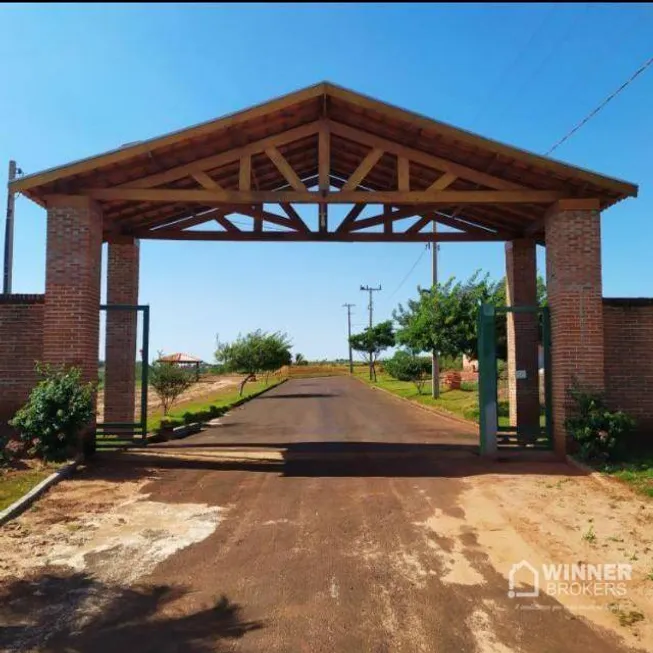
(327, 486)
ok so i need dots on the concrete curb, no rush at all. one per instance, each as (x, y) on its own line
(17, 507)
(428, 409)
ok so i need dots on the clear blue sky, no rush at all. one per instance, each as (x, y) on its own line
(80, 80)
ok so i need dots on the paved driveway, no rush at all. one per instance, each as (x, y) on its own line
(333, 518)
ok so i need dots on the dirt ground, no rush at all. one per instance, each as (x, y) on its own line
(322, 516)
(205, 387)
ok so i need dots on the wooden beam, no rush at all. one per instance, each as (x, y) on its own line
(350, 218)
(388, 220)
(469, 227)
(364, 167)
(205, 181)
(313, 236)
(324, 171)
(285, 168)
(245, 173)
(226, 224)
(223, 158)
(419, 225)
(189, 221)
(428, 160)
(260, 216)
(403, 173)
(443, 182)
(461, 197)
(384, 218)
(294, 216)
(430, 126)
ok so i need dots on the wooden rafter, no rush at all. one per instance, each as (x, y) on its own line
(364, 167)
(443, 181)
(245, 173)
(428, 160)
(224, 158)
(403, 173)
(205, 181)
(384, 218)
(226, 224)
(294, 216)
(350, 218)
(419, 225)
(285, 168)
(324, 171)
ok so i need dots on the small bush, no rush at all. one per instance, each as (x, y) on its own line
(469, 386)
(56, 412)
(404, 366)
(169, 381)
(595, 429)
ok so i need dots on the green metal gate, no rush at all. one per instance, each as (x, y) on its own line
(123, 434)
(496, 432)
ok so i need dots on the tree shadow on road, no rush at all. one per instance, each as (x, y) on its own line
(77, 613)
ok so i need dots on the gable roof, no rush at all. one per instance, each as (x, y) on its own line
(167, 161)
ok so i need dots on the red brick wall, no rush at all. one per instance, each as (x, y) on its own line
(628, 327)
(122, 288)
(574, 294)
(21, 345)
(523, 335)
(72, 284)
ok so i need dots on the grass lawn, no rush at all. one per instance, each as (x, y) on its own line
(220, 399)
(463, 403)
(638, 473)
(16, 482)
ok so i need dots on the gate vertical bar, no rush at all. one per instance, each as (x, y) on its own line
(487, 365)
(145, 372)
(548, 380)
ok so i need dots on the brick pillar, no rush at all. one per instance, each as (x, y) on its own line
(523, 337)
(72, 287)
(120, 365)
(573, 270)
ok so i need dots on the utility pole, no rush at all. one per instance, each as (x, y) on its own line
(435, 365)
(370, 306)
(351, 358)
(9, 235)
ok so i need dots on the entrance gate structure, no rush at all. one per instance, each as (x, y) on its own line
(399, 172)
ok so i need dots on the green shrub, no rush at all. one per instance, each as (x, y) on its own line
(405, 366)
(169, 381)
(469, 386)
(57, 410)
(595, 429)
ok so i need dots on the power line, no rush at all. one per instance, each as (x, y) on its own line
(403, 281)
(610, 97)
(483, 105)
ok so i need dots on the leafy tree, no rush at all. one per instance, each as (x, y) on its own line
(406, 366)
(57, 410)
(169, 381)
(255, 352)
(373, 341)
(300, 360)
(444, 318)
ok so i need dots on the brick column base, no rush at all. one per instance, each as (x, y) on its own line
(72, 288)
(120, 365)
(574, 292)
(523, 338)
